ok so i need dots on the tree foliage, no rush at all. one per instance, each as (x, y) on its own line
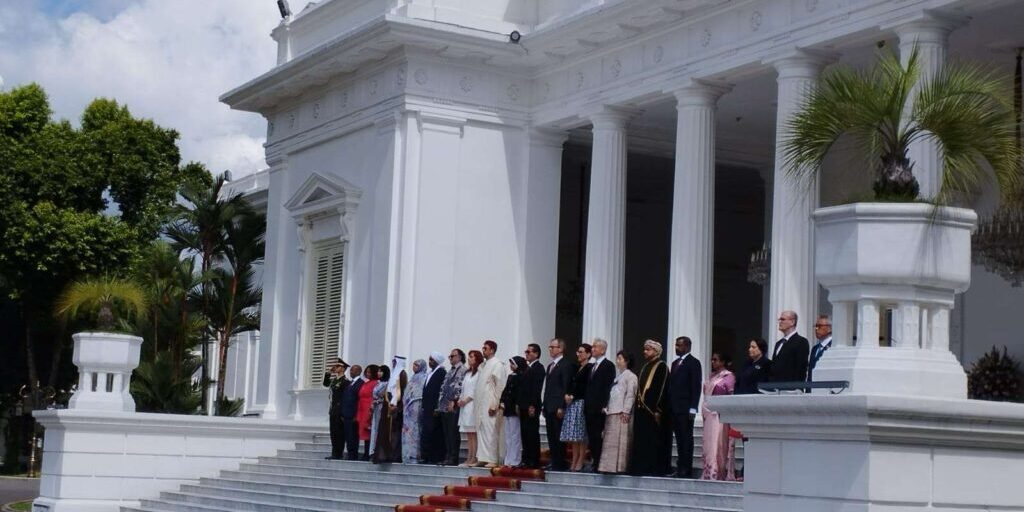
(108, 298)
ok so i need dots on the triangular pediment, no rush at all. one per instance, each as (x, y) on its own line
(322, 189)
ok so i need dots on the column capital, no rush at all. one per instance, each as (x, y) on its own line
(802, 63)
(610, 117)
(700, 92)
(929, 27)
(548, 137)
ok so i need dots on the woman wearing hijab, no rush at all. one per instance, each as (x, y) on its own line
(574, 427)
(618, 428)
(509, 406)
(411, 406)
(381, 430)
(652, 437)
(364, 410)
(717, 444)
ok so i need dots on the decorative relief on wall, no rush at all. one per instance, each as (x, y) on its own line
(659, 53)
(373, 87)
(421, 76)
(580, 79)
(513, 92)
(705, 38)
(545, 90)
(343, 99)
(616, 68)
(755, 20)
(291, 121)
(400, 77)
(466, 84)
(316, 110)
(811, 5)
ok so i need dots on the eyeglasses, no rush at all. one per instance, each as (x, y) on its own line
(822, 325)
(552, 346)
(785, 320)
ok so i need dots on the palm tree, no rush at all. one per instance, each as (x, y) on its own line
(102, 296)
(963, 107)
(159, 386)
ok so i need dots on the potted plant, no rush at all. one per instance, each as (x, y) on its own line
(105, 358)
(902, 252)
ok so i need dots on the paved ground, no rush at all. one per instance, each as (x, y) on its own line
(17, 489)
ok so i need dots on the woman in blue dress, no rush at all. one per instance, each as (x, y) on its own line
(574, 426)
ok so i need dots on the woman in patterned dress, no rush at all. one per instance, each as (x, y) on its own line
(412, 404)
(717, 444)
(574, 427)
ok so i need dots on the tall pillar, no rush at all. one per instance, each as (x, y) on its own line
(793, 286)
(691, 263)
(931, 36)
(604, 275)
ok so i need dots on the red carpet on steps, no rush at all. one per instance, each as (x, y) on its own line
(460, 497)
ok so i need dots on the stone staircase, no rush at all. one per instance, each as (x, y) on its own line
(300, 480)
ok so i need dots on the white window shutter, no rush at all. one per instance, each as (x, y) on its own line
(325, 310)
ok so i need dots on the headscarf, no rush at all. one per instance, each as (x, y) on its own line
(396, 373)
(655, 345)
(520, 364)
(414, 390)
(437, 357)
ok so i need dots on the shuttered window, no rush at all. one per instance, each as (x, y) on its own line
(325, 310)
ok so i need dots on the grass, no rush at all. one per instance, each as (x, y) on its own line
(21, 506)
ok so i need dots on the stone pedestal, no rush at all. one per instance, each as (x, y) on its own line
(868, 453)
(105, 362)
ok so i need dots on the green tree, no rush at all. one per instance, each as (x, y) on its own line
(964, 107)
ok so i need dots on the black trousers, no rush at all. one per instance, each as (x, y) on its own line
(530, 431)
(555, 445)
(595, 436)
(433, 447)
(452, 438)
(352, 438)
(337, 435)
(682, 425)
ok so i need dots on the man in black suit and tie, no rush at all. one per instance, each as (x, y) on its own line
(334, 379)
(432, 447)
(531, 407)
(349, 408)
(559, 374)
(823, 334)
(789, 358)
(684, 387)
(602, 376)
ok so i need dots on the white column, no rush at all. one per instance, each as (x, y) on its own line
(931, 35)
(604, 276)
(793, 286)
(691, 262)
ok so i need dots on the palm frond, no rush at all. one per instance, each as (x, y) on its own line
(93, 295)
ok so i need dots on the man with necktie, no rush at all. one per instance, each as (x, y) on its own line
(559, 374)
(684, 387)
(823, 333)
(789, 357)
(599, 388)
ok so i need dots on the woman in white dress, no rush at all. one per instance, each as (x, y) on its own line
(618, 432)
(467, 413)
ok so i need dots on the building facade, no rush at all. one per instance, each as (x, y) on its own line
(444, 172)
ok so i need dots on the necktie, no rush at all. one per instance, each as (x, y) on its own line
(778, 346)
(550, 366)
(593, 369)
(676, 364)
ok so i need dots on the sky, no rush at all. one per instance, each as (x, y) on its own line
(168, 60)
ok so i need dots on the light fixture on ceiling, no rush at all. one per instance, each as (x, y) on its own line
(282, 6)
(514, 37)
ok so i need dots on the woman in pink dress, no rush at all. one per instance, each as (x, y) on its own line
(718, 454)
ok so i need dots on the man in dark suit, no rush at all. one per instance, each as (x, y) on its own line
(531, 406)
(602, 376)
(559, 373)
(684, 386)
(349, 408)
(789, 358)
(335, 380)
(432, 447)
(823, 335)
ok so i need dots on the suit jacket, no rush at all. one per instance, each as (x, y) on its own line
(350, 400)
(752, 374)
(337, 388)
(600, 387)
(817, 351)
(432, 392)
(557, 385)
(790, 361)
(531, 386)
(684, 385)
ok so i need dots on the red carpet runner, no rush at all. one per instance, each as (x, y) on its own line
(460, 497)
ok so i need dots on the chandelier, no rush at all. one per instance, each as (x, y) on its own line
(760, 265)
(998, 244)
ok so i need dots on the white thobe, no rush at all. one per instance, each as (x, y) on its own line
(493, 375)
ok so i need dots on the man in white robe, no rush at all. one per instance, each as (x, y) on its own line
(490, 384)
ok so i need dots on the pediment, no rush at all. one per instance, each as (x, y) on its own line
(323, 191)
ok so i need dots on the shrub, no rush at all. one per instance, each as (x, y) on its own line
(995, 376)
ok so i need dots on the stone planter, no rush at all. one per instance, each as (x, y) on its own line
(105, 361)
(910, 258)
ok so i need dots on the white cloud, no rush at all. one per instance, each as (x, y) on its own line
(167, 60)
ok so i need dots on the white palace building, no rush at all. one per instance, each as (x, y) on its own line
(442, 172)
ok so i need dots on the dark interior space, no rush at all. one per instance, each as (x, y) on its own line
(739, 221)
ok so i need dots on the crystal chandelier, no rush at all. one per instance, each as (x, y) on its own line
(760, 265)
(998, 244)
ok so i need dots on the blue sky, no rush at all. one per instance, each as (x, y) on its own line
(167, 60)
